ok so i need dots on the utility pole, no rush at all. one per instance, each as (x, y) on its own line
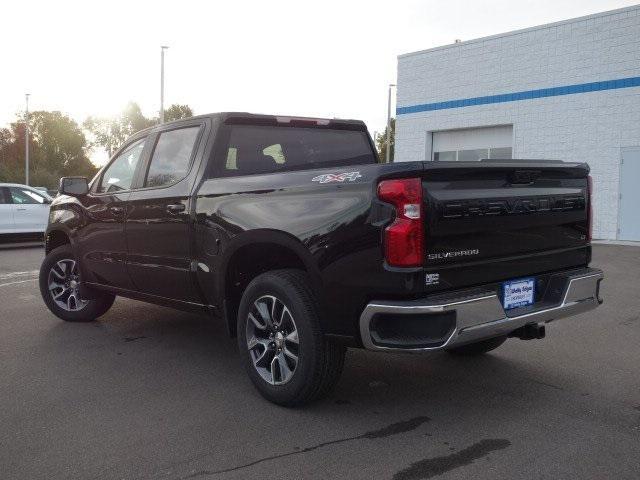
(26, 140)
(388, 152)
(162, 49)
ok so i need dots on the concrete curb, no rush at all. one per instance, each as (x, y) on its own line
(616, 242)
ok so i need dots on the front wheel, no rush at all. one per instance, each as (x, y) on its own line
(59, 285)
(281, 344)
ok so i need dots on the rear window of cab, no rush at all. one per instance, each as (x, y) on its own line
(259, 149)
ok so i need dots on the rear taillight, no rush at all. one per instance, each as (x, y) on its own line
(404, 238)
(589, 208)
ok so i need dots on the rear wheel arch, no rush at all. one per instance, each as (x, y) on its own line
(255, 254)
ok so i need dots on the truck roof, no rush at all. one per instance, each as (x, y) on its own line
(245, 118)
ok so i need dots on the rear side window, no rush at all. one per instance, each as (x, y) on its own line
(257, 149)
(172, 157)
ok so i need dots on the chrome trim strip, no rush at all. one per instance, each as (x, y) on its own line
(482, 316)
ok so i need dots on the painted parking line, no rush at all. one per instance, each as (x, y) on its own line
(15, 278)
(12, 275)
(17, 282)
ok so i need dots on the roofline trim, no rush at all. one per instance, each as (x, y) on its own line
(523, 30)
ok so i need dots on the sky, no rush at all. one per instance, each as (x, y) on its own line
(321, 59)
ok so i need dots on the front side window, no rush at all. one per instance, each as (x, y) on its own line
(119, 174)
(23, 196)
(172, 157)
(256, 149)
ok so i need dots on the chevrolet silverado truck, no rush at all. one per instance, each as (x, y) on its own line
(302, 243)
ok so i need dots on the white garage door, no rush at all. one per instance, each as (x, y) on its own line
(473, 144)
(629, 220)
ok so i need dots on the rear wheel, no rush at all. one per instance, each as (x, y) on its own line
(59, 287)
(281, 344)
(478, 348)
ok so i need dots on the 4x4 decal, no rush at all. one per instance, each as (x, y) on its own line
(337, 177)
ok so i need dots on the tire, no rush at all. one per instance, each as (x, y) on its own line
(478, 348)
(60, 268)
(287, 297)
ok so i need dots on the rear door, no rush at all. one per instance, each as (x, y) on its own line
(158, 226)
(6, 212)
(30, 210)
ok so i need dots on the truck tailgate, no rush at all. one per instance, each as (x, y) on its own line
(483, 213)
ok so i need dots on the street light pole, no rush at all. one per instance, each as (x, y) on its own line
(162, 49)
(26, 140)
(388, 152)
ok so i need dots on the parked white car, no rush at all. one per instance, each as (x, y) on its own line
(23, 209)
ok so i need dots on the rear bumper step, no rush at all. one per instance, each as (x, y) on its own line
(461, 317)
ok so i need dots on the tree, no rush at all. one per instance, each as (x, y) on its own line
(57, 147)
(177, 112)
(111, 132)
(381, 142)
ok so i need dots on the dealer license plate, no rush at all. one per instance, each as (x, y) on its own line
(518, 293)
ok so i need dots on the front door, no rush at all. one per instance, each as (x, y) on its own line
(30, 210)
(629, 218)
(158, 225)
(102, 244)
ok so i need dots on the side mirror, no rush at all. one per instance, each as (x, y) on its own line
(74, 186)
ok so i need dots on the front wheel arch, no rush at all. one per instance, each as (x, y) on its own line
(55, 238)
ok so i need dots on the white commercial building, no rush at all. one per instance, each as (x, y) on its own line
(568, 90)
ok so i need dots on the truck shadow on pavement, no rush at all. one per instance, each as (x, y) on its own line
(200, 345)
(147, 362)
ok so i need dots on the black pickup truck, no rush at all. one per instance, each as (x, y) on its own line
(292, 232)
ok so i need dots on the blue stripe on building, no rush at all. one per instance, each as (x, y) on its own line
(525, 95)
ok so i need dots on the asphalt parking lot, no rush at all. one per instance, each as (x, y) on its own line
(147, 392)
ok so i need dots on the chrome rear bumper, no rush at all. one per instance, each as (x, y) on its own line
(479, 313)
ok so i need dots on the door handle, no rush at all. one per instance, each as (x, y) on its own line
(21, 209)
(177, 208)
(116, 211)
